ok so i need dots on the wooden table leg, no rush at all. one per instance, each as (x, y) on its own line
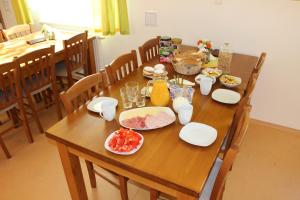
(73, 173)
(91, 57)
(153, 194)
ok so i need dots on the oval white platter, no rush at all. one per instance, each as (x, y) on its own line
(226, 96)
(107, 147)
(95, 104)
(198, 134)
(142, 112)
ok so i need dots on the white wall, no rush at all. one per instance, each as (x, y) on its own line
(251, 26)
(8, 13)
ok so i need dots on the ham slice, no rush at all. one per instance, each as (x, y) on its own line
(158, 120)
(135, 122)
(149, 121)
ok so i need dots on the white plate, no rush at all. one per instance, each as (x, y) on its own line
(95, 104)
(218, 72)
(198, 134)
(226, 96)
(107, 147)
(142, 112)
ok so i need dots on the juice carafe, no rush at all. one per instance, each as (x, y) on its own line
(160, 94)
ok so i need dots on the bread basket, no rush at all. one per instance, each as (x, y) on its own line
(188, 62)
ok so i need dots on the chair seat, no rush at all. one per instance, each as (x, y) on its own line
(3, 101)
(61, 71)
(208, 187)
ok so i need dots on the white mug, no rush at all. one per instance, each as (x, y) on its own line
(205, 85)
(185, 113)
(108, 110)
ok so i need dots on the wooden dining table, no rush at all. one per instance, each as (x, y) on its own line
(18, 47)
(165, 162)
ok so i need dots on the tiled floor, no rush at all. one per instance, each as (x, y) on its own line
(267, 167)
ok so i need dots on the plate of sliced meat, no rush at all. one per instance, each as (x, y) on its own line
(147, 118)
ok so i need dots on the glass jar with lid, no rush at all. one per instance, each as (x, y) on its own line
(225, 57)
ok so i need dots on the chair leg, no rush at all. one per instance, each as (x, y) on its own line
(92, 175)
(153, 194)
(34, 113)
(123, 187)
(56, 101)
(25, 122)
(7, 154)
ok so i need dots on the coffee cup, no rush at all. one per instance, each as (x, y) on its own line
(108, 110)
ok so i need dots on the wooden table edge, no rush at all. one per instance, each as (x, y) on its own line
(133, 174)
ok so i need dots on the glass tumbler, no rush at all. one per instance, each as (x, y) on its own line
(132, 89)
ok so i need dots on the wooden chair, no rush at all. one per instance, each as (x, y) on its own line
(260, 63)
(251, 85)
(2, 39)
(122, 67)
(149, 50)
(11, 97)
(235, 126)
(37, 73)
(17, 31)
(75, 65)
(78, 95)
(215, 184)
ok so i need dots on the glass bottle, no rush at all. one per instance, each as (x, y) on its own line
(225, 57)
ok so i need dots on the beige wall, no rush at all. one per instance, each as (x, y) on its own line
(251, 26)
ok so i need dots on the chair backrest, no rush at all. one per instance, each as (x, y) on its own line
(242, 126)
(9, 85)
(17, 31)
(236, 119)
(149, 50)
(2, 39)
(260, 63)
(76, 53)
(37, 69)
(219, 185)
(82, 91)
(251, 85)
(122, 67)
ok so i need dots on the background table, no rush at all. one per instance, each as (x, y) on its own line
(18, 47)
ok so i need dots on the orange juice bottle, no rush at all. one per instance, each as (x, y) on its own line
(160, 95)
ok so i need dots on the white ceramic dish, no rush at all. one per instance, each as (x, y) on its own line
(199, 76)
(95, 104)
(212, 72)
(107, 147)
(235, 81)
(198, 134)
(226, 96)
(142, 112)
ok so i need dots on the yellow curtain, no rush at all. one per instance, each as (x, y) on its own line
(111, 16)
(21, 11)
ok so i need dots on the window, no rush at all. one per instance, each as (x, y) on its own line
(78, 13)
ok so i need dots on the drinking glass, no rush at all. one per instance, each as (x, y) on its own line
(126, 102)
(140, 100)
(205, 85)
(185, 114)
(123, 91)
(132, 89)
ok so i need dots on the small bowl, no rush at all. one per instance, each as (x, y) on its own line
(230, 81)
